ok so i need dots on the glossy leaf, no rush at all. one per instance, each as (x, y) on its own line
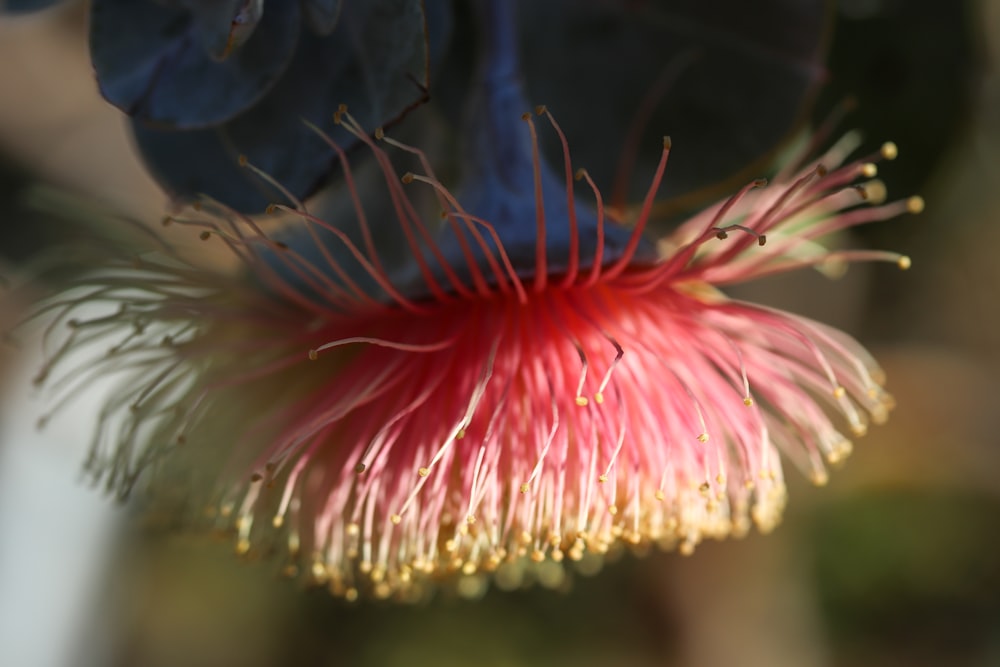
(375, 62)
(152, 63)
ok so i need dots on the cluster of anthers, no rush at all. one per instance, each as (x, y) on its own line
(511, 416)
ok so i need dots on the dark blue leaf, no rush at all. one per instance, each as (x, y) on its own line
(225, 25)
(151, 61)
(375, 62)
(729, 81)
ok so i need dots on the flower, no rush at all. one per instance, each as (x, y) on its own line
(502, 403)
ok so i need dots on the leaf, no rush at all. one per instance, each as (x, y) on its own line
(729, 81)
(321, 15)
(225, 25)
(374, 61)
(152, 64)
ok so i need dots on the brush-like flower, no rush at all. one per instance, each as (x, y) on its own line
(514, 399)
(534, 382)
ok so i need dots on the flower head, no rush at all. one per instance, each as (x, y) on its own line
(508, 398)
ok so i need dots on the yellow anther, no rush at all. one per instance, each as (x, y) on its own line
(581, 401)
(889, 150)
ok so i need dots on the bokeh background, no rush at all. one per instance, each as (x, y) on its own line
(894, 563)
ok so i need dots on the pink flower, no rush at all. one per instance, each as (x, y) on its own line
(488, 407)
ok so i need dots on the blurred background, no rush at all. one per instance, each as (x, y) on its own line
(894, 563)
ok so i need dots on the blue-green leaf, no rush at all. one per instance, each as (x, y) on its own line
(374, 62)
(153, 61)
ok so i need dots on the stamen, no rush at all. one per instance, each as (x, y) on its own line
(541, 261)
(722, 233)
(382, 280)
(380, 342)
(640, 224)
(580, 399)
(545, 448)
(574, 231)
(595, 269)
(619, 442)
(619, 353)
